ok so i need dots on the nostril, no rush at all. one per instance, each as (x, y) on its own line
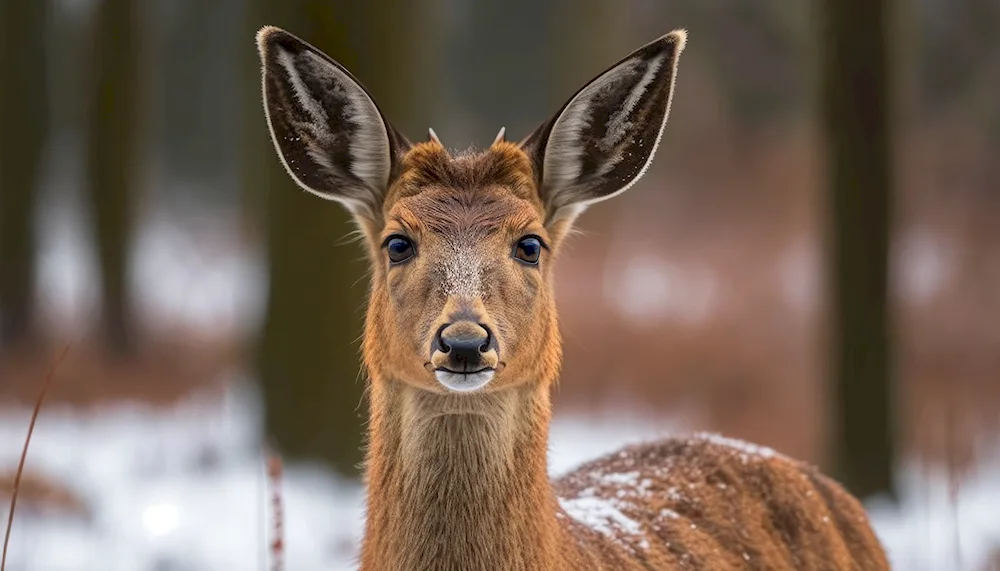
(489, 339)
(439, 342)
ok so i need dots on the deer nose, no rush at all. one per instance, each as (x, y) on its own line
(464, 347)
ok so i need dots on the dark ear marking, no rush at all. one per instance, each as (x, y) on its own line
(327, 130)
(603, 140)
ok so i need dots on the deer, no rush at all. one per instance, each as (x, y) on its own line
(462, 348)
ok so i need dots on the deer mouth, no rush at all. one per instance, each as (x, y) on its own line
(464, 382)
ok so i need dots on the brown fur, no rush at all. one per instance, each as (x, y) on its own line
(459, 482)
(480, 203)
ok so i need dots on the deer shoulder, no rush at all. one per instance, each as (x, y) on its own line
(710, 502)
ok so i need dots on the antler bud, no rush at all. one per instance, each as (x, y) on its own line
(500, 135)
(433, 136)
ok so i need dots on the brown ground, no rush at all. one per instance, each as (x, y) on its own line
(36, 493)
(165, 369)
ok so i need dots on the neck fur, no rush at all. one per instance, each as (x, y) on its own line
(458, 481)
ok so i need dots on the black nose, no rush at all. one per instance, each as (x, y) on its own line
(464, 343)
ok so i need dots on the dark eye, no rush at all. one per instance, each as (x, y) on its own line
(399, 248)
(528, 250)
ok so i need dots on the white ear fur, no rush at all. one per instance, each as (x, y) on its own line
(604, 139)
(329, 133)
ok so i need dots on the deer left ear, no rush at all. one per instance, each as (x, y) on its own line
(327, 130)
(604, 138)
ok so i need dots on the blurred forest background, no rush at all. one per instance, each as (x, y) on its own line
(812, 263)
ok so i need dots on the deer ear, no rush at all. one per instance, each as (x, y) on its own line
(604, 138)
(329, 133)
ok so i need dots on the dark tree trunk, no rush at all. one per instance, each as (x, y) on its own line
(113, 156)
(503, 80)
(585, 38)
(856, 97)
(308, 357)
(24, 122)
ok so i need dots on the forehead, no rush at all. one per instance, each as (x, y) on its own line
(479, 193)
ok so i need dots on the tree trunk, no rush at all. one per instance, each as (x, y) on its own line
(856, 97)
(502, 82)
(308, 356)
(586, 38)
(24, 122)
(113, 156)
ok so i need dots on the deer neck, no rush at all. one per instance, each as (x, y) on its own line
(459, 481)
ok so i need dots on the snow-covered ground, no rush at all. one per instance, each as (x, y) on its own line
(933, 529)
(188, 273)
(185, 490)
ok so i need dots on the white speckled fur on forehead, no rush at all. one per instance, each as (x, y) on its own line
(463, 268)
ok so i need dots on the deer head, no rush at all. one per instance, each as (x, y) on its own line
(462, 246)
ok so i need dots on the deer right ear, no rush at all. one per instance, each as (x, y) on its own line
(329, 133)
(604, 138)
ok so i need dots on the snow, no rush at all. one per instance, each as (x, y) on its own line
(173, 489)
(603, 513)
(747, 450)
(600, 514)
(931, 530)
(184, 489)
(180, 279)
(923, 263)
(604, 433)
(647, 290)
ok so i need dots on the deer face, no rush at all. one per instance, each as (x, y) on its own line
(463, 280)
(462, 246)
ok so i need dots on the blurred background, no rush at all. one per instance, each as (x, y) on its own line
(812, 262)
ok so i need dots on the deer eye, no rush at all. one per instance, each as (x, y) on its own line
(528, 250)
(399, 248)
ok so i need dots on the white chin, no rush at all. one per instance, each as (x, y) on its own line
(464, 382)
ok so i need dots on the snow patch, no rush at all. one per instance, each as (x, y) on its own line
(931, 529)
(647, 290)
(923, 263)
(602, 505)
(747, 450)
(181, 488)
(605, 433)
(600, 514)
(176, 277)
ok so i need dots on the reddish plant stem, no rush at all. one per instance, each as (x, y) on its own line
(24, 454)
(274, 473)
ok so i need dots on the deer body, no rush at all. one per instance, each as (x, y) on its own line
(462, 347)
